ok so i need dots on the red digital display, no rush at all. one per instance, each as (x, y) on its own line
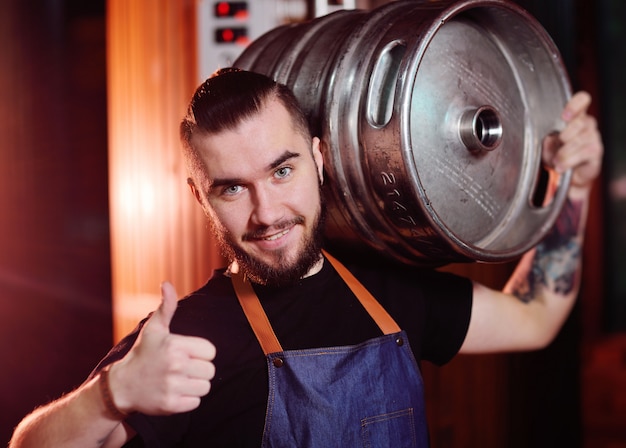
(238, 10)
(232, 35)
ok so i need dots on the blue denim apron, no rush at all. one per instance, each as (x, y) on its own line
(365, 395)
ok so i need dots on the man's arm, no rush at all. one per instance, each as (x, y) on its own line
(162, 374)
(540, 294)
(80, 418)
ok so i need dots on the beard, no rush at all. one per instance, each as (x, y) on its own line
(283, 271)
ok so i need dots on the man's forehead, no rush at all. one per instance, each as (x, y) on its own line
(257, 142)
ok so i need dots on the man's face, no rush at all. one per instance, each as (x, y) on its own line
(261, 193)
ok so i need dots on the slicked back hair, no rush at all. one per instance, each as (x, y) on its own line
(227, 98)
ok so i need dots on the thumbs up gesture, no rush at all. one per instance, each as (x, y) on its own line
(163, 373)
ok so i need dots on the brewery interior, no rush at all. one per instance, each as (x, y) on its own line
(96, 213)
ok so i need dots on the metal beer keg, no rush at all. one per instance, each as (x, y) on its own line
(432, 115)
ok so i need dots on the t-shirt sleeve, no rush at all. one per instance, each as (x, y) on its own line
(120, 349)
(448, 307)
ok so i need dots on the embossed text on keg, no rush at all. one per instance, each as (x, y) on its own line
(399, 209)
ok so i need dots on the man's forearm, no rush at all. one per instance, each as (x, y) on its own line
(79, 419)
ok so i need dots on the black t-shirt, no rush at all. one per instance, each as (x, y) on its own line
(319, 311)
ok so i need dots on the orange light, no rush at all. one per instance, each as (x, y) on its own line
(243, 40)
(241, 15)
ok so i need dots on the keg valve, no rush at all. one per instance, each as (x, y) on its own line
(481, 129)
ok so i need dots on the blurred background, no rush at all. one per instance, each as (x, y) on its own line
(94, 211)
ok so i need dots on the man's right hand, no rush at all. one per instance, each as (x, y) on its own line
(163, 373)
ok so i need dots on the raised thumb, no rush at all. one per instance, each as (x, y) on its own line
(169, 301)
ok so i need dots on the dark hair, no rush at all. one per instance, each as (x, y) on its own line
(228, 97)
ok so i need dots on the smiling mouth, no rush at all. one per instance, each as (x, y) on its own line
(276, 235)
(281, 230)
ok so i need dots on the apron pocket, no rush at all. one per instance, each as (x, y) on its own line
(395, 429)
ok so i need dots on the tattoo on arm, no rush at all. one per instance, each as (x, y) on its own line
(557, 257)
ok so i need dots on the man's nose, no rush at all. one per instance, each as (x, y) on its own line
(267, 207)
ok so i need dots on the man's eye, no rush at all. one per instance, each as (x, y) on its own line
(233, 189)
(283, 172)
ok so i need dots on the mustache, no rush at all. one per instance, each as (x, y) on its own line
(263, 231)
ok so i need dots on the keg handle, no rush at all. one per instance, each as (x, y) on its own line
(383, 82)
(548, 183)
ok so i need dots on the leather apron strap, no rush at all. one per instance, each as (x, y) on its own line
(382, 318)
(263, 329)
(255, 314)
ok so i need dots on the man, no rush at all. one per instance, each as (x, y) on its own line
(302, 351)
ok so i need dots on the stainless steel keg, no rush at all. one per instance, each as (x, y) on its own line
(432, 115)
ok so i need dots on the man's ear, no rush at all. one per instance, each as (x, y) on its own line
(316, 149)
(194, 190)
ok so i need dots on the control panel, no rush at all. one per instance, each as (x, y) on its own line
(225, 28)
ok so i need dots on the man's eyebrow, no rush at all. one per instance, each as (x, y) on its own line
(224, 182)
(282, 159)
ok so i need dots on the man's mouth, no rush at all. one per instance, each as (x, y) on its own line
(276, 235)
(280, 229)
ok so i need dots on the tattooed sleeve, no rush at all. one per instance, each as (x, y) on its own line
(557, 257)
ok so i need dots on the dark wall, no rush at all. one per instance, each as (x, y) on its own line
(612, 51)
(545, 404)
(55, 294)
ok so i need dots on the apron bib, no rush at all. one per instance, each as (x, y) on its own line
(365, 395)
